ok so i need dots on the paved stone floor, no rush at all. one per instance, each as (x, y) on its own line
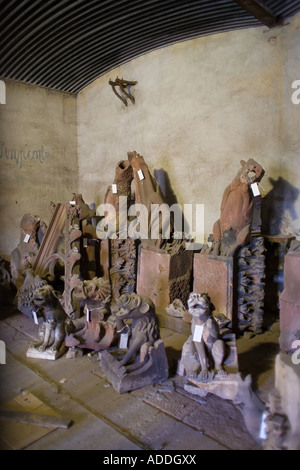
(159, 417)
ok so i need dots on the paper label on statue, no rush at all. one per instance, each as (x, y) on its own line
(141, 175)
(35, 318)
(123, 341)
(73, 203)
(114, 188)
(27, 238)
(88, 315)
(85, 243)
(263, 427)
(255, 189)
(198, 332)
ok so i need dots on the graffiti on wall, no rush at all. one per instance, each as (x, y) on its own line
(21, 156)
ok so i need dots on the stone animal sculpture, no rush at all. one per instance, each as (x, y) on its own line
(204, 348)
(147, 192)
(237, 205)
(144, 330)
(56, 323)
(23, 256)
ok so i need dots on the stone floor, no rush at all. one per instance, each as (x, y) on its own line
(159, 417)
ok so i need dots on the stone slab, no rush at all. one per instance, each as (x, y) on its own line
(164, 277)
(214, 275)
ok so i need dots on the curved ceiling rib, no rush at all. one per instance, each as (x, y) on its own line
(67, 44)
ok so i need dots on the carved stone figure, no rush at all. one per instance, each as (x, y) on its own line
(237, 206)
(147, 192)
(56, 324)
(204, 349)
(144, 332)
(144, 361)
(99, 330)
(23, 256)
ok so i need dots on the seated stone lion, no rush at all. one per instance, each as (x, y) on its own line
(56, 323)
(204, 352)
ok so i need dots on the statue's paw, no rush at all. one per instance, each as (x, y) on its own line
(203, 376)
(41, 348)
(222, 374)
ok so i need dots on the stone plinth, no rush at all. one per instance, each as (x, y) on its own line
(48, 354)
(287, 382)
(290, 303)
(164, 277)
(152, 371)
(214, 275)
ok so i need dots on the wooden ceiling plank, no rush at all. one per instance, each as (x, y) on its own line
(260, 11)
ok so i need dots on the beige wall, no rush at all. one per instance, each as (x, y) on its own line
(38, 159)
(201, 107)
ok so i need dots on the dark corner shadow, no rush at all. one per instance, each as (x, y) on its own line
(274, 206)
(162, 178)
(173, 357)
(258, 360)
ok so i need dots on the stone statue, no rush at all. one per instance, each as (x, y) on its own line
(144, 330)
(23, 256)
(233, 227)
(56, 324)
(204, 351)
(141, 360)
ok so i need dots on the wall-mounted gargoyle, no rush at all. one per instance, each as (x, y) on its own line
(125, 89)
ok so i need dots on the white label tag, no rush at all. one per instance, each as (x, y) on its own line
(114, 188)
(88, 315)
(263, 427)
(141, 175)
(85, 243)
(27, 238)
(255, 189)
(35, 318)
(73, 203)
(198, 332)
(123, 341)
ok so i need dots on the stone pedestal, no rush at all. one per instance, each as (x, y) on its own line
(214, 275)
(152, 371)
(290, 303)
(287, 382)
(48, 354)
(164, 277)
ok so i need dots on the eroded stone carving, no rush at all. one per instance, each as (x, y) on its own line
(237, 205)
(56, 324)
(24, 255)
(204, 352)
(144, 360)
(99, 330)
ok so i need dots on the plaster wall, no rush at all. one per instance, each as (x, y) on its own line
(201, 107)
(38, 156)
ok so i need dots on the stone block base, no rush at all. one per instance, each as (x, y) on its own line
(214, 275)
(153, 371)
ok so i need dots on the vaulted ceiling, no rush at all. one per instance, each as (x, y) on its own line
(65, 45)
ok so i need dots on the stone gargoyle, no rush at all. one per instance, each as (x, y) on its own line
(233, 227)
(144, 360)
(204, 351)
(55, 325)
(99, 330)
